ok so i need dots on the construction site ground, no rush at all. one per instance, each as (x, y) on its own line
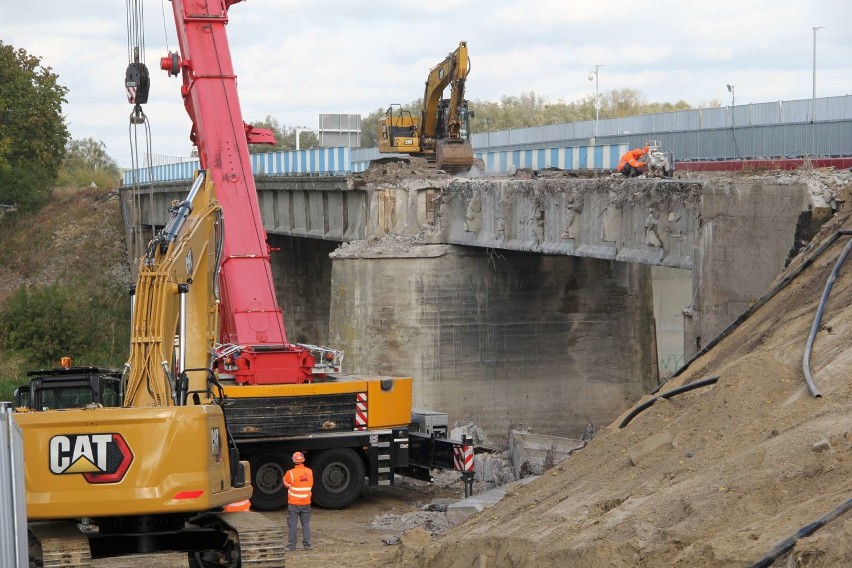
(365, 534)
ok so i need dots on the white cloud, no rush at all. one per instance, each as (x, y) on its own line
(295, 59)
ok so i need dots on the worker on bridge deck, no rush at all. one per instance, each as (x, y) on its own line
(631, 164)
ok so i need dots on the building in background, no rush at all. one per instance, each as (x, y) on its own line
(337, 130)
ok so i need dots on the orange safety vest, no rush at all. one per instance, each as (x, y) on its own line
(631, 157)
(299, 482)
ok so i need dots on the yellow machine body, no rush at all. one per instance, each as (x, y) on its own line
(126, 461)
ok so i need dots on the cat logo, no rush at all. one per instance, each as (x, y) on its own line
(100, 458)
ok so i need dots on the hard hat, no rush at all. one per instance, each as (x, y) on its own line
(298, 457)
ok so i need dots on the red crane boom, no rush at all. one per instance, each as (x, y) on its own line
(250, 315)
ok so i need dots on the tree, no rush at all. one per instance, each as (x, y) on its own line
(32, 128)
(285, 136)
(370, 128)
(87, 161)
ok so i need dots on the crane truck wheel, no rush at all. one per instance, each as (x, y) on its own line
(338, 478)
(267, 478)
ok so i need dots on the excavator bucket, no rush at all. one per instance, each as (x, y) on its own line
(454, 156)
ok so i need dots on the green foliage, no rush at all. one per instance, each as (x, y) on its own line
(25, 186)
(12, 375)
(45, 323)
(87, 161)
(75, 243)
(32, 129)
(7, 389)
(285, 137)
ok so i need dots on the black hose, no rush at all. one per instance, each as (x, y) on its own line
(668, 394)
(758, 303)
(788, 543)
(806, 361)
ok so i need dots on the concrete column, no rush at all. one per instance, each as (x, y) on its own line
(302, 275)
(672, 293)
(501, 338)
(777, 219)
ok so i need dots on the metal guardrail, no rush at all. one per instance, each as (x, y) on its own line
(13, 504)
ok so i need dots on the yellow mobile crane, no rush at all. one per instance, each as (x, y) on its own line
(441, 132)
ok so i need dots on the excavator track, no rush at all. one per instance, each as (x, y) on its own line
(260, 542)
(58, 544)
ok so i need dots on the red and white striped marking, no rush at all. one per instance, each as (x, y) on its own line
(131, 95)
(361, 411)
(463, 458)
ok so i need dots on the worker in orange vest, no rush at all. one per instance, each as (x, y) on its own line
(299, 481)
(631, 164)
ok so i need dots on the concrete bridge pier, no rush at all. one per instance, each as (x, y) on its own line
(502, 338)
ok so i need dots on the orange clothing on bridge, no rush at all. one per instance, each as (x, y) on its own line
(632, 157)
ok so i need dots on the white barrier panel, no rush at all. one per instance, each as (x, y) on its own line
(313, 161)
(572, 158)
(13, 504)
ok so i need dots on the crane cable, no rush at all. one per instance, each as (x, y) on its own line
(137, 84)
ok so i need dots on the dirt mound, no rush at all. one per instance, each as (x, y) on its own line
(78, 234)
(713, 477)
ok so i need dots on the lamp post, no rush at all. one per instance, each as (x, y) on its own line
(733, 96)
(813, 96)
(593, 75)
(487, 133)
(299, 131)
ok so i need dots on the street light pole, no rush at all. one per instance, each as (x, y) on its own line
(299, 131)
(813, 96)
(594, 74)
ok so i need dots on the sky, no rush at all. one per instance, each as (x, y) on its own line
(297, 59)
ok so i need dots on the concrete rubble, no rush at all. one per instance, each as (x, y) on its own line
(497, 473)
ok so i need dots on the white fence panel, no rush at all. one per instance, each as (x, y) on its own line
(13, 504)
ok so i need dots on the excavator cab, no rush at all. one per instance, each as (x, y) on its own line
(73, 387)
(443, 128)
(398, 131)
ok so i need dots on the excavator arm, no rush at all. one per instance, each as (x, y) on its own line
(177, 296)
(451, 71)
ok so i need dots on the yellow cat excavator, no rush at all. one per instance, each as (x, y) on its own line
(441, 132)
(158, 471)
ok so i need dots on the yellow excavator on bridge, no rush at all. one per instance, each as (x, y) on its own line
(441, 132)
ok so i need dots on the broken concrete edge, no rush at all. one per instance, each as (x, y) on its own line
(460, 511)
